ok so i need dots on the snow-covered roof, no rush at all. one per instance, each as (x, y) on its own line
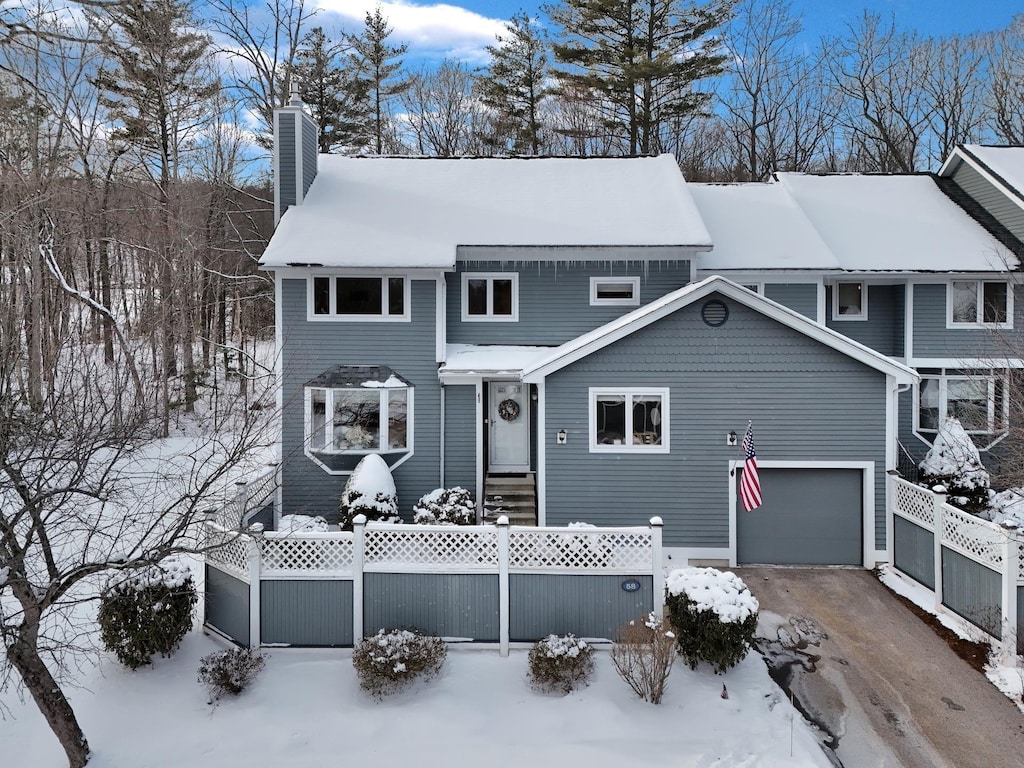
(1005, 164)
(623, 326)
(894, 223)
(488, 359)
(758, 226)
(414, 212)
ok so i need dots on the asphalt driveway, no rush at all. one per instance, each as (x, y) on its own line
(886, 690)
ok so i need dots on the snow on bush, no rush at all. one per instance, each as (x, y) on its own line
(147, 611)
(560, 663)
(445, 506)
(370, 491)
(301, 524)
(643, 654)
(1007, 507)
(391, 659)
(954, 462)
(229, 672)
(713, 614)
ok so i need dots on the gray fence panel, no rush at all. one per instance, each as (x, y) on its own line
(226, 605)
(309, 613)
(447, 605)
(973, 591)
(1020, 619)
(914, 551)
(587, 606)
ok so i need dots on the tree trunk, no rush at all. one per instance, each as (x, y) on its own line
(50, 699)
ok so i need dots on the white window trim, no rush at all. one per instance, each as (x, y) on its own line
(753, 286)
(333, 317)
(597, 282)
(490, 277)
(951, 325)
(998, 423)
(863, 301)
(628, 392)
(329, 424)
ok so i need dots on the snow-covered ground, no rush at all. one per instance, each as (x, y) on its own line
(306, 709)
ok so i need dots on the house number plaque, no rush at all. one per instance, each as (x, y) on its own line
(631, 585)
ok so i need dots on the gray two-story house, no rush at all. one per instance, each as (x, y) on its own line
(554, 335)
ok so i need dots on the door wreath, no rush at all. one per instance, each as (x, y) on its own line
(508, 409)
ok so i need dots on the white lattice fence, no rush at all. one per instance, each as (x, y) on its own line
(228, 550)
(914, 502)
(978, 539)
(553, 549)
(306, 554)
(429, 547)
(261, 490)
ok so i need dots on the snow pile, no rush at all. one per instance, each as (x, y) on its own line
(954, 455)
(711, 589)
(170, 574)
(1007, 507)
(302, 524)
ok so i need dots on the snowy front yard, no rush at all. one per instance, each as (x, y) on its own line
(306, 709)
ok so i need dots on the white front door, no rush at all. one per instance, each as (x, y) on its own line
(509, 419)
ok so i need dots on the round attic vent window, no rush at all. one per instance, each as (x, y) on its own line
(714, 313)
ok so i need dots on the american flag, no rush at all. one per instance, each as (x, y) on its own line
(750, 485)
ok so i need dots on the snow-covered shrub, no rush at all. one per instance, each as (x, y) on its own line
(560, 663)
(147, 611)
(713, 615)
(1006, 507)
(954, 462)
(643, 654)
(229, 672)
(370, 491)
(445, 506)
(301, 524)
(389, 660)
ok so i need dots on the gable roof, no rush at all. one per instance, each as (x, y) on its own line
(617, 329)
(1003, 166)
(758, 225)
(890, 223)
(396, 212)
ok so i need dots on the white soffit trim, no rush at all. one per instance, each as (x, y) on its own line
(588, 343)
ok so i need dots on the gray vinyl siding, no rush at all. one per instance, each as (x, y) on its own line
(914, 551)
(309, 151)
(446, 605)
(554, 297)
(799, 393)
(1009, 213)
(883, 330)
(1020, 619)
(972, 591)
(586, 606)
(933, 339)
(310, 613)
(309, 348)
(460, 436)
(800, 297)
(226, 605)
(286, 160)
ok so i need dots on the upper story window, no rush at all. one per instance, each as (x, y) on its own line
(359, 298)
(358, 409)
(615, 291)
(975, 303)
(976, 398)
(490, 296)
(629, 420)
(849, 301)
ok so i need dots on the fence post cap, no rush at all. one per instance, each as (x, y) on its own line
(939, 489)
(241, 482)
(359, 520)
(502, 520)
(657, 521)
(256, 528)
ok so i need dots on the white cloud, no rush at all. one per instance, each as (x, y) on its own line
(430, 30)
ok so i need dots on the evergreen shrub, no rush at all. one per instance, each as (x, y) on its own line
(445, 506)
(370, 491)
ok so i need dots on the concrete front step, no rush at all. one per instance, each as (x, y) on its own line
(514, 496)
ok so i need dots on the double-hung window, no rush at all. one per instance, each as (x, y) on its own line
(629, 420)
(977, 399)
(490, 297)
(359, 298)
(979, 303)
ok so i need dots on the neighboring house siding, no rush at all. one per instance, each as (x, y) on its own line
(309, 348)
(933, 339)
(807, 402)
(800, 297)
(286, 160)
(309, 150)
(554, 297)
(883, 330)
(460, 437)
(1009, 214)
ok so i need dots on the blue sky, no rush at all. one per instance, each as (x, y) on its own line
(461, 28)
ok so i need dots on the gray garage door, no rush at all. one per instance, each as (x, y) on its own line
(809, 517)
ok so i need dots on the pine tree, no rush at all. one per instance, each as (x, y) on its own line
(640, 60)
(515, 85)
(379, 68)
